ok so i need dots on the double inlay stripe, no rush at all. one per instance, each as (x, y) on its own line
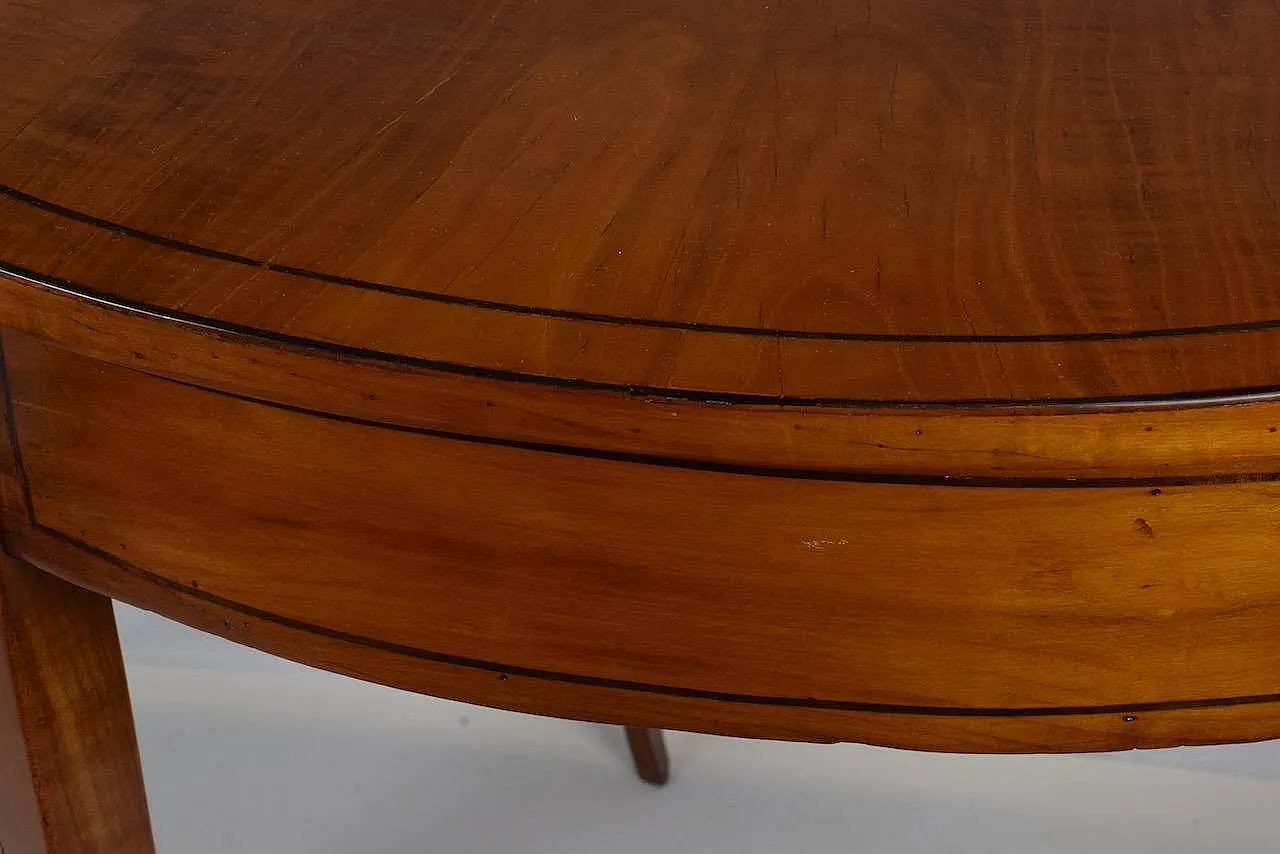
(620, 320)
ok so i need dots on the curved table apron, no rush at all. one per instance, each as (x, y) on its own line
(903, 373)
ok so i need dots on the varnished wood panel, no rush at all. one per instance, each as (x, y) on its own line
(46, 47)
(617, 353)
(926, 201)
(622, 354)
(1106, 729)
(774, 592)
(1178, 443)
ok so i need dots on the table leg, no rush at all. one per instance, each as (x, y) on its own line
(650, 754)
(70, 779)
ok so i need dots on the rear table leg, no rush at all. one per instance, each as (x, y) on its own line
(649, 751)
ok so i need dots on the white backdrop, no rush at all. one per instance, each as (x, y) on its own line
(244, 754)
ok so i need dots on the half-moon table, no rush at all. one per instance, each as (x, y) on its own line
(898, 372)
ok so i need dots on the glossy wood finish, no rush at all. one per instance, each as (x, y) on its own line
(917, 201)
(510, 561)
(649, 752)
(70, 780)
(1060, 729)
(912, 365)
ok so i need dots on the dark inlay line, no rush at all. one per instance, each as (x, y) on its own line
(813, 703)
(622, 320)
(783, 472)
(232, 331)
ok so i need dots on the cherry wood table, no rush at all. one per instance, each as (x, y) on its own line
(904, 373)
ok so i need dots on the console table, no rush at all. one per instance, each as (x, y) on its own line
(904, 373)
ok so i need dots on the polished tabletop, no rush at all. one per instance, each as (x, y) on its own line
(904, 372)
(909, 202)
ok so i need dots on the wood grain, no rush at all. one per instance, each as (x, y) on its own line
(70, 780)
(1108, 729)
(918, 202)
(913, 364)
(556, 567)
(1185, 441)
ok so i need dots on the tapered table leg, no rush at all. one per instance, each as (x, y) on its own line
(649, 751)
(70, 779)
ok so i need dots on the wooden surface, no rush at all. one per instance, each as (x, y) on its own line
(70, 780)
(717, 600)
(914, 201)
(903, 372)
